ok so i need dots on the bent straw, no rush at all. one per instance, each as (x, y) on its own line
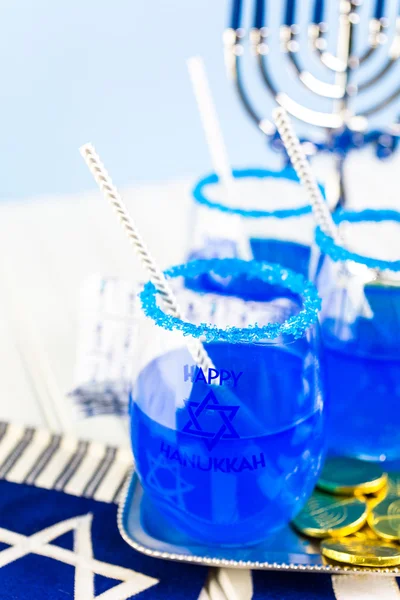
(157, 277)
(303, 169)
(215, 140)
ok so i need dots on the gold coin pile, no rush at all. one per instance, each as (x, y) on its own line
(356, 512)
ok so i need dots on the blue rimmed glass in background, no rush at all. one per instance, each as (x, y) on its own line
(360, 320)
(269, 214)
(229, 461)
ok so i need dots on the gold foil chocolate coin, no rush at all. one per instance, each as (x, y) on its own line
(384, 519)
(366, 553)
(349, 475)
(325, 515)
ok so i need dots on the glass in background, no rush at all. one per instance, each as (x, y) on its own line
(268, 219)
(359, 284)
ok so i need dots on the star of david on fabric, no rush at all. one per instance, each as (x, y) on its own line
(180, 487)
(81, 558)
(224, 430)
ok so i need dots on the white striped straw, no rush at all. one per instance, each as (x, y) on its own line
(215, 140)
(320, 209)
(302, 167)
(156, 275)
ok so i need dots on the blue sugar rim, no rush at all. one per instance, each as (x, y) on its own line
(271, 273)
(288, 174)
(337, 253)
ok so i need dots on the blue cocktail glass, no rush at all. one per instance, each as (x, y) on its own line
(232, 454)
(269, 214)
(360, 321)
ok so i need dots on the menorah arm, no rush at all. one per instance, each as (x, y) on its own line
(342, 62)
(308, 115)
(331, 61)
(318, 44)
(376, 38)
(367, 54)
(381, 104)
(394, 55)
(312, 83)
(233, 53)
(316, 34)
(378, 76)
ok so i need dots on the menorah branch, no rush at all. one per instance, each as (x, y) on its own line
(343, 117)
(291, 47)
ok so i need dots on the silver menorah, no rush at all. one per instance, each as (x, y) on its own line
(344, 122)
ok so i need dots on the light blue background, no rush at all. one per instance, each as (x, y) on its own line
(114, 73)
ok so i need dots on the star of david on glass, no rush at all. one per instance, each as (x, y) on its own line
(174, 494)
(224, 430)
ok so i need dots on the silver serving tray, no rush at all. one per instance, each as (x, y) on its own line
(286, 550)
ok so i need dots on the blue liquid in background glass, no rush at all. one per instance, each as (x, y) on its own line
(363, 387)
(288, 254)
(237, 487)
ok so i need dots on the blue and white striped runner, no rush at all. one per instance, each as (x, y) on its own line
(61, 462)
(94, 470)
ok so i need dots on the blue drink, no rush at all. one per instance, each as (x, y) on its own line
(228, 449)
(361, 355)
(363, 384)
(238, 487)
(288, 254)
